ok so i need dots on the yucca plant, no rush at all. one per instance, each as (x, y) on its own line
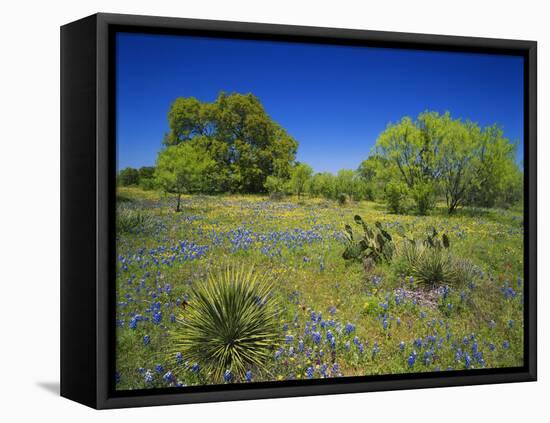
(230, 324)
(433, 267)
(129, 220)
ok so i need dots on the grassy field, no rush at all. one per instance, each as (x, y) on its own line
(336, 319)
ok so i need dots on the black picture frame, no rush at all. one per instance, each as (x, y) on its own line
(88, 197)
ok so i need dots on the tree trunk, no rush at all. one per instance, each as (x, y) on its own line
(178, 203)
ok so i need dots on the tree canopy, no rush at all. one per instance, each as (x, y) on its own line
(246, 145)
(438, 154)
(182, 169)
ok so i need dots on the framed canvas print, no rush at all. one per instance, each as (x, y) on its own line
(255, 211)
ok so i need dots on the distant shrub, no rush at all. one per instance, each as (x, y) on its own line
(147, 184)
(343, 199)
(276, 187)
(424, 197)
(229, 325)
(395, 195)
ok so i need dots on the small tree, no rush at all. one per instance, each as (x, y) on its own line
(182, 169)
(299, 177)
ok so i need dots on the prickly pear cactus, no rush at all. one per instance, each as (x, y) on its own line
(374, 245)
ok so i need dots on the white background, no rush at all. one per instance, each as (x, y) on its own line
(29, 195)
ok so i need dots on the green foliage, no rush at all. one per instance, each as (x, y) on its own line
(468, 164)
(395, 195)
(276, 187)
(142, 177)
(182, 169)
(375, 244)
(245, 144)
(299, 178)
(323, 184)
(230, 324)
(424, 196)
(128, 176)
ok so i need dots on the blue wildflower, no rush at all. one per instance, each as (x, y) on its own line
(168, 377)
(412, 359)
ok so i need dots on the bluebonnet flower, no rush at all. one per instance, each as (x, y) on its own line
(248, 376)
(278, 353)
(467, 361)
(510, 323)
(506, 345)
(332, 310)
(422, 314)
(402, 346)
(168, 377)
(316, 336)
(289, 339)
(172, 318)
(159, 368)
(310, 372)
(427, 357)
(146, 340)
(399, 321)
(492, 347)
(285, 327)
(148, 377)
(458, 355)
(385, 324)
(195, 368)
(412, 359)
(350, 328)
(418, 343)
(157, 317)
(133, 323)
(301, 345)
(375, 349)
(227, 376)
(179, 358)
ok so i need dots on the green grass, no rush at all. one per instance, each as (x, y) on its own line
(299, 244)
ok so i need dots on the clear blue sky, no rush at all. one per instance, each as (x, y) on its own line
(334, 100)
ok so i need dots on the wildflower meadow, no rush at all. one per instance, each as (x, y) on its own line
(333, 319)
